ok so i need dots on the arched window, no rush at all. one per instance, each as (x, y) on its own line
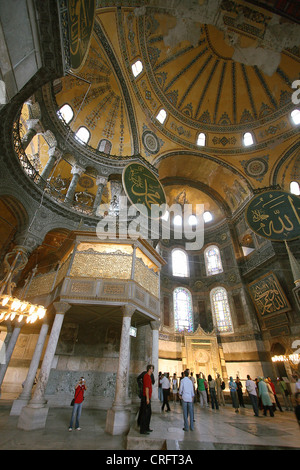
(137, 68)
(295, 188)
(105, 146)
(295, 115)
(183, 310)
(248, 139)
(221, 310)
(161, 117)
(213, 262)
(201, 139)
(83, 135)
(66, 112)
(180, 263)
(177, 220)
(207, 216)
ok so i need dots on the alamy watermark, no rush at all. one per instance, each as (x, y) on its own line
(135, 221)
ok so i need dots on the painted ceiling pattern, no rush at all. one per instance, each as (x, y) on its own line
(222, 71)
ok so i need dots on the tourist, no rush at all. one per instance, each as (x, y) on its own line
(77, 402)
(186, 394)
(265, 397)
(145, 411)
(252, 392)
(174, 388)
(206, 388)
(160, 392)
(239, 390)
(165, 385)
(274, 395)
(220, 395)
(285, 392)
(233, 394)
(202, 391)
(212, 391)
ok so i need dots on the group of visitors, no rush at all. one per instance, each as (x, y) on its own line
(204, 389)
(261, 392)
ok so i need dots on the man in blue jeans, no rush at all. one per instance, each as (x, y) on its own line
(186, 394)
(77, 407)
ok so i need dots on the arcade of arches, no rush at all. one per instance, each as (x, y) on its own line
(204, 95)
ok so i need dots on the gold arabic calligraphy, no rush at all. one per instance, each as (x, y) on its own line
(81, 20)
(144, 187)
(267, 296)
(275, 216)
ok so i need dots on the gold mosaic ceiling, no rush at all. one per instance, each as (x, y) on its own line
(222, 72)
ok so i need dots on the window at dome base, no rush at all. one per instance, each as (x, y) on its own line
(177, 220)
(248, 139)
(183, 310)
(137, 68)
(83, 135)
(201, 139)
(207, 216)
(295, 188)
(66, 112)
(221, 310)
(161, 117)
(105, 146)
(295, 115)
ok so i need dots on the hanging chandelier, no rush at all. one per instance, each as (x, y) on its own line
(14, 308)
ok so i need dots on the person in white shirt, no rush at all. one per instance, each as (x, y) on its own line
(251, 389)
(165, 385)
(186, 394)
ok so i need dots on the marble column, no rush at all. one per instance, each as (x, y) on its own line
(101, 182)
(118, 417)
(34, 415)
(25, 395)
(9, 350)
(155, 403)
(54, 155)
(76, 171)
(34, 127)
(115, 189)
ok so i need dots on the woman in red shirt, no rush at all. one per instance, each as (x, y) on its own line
(77, 406)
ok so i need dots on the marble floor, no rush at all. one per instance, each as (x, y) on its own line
(222, 430)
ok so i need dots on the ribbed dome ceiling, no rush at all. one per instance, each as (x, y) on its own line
(222, 68)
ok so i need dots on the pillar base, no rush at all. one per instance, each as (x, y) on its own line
(32, 418)
(18, 405)
(156, 405)
(117, 421)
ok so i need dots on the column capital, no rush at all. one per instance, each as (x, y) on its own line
(36, 125)
(61, 307)
(77, 170)
(155, 325)
(55, 152)
(128, 310)
(101, 180)
(27, 242)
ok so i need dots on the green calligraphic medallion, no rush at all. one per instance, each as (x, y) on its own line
(81, 14)
(274, 215)
(143, 189)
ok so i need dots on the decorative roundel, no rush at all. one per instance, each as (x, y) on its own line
(151, 142)
(86, 182)
(256, 167)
